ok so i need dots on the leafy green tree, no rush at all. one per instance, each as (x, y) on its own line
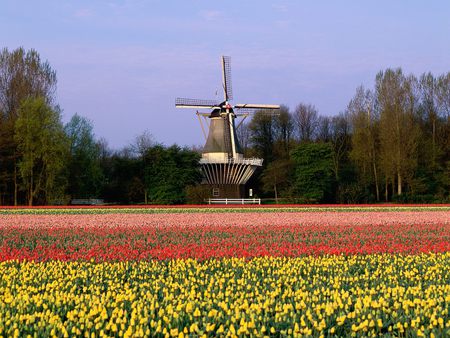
(169, 171)
(41, 140)
(313, 172)
(122, 183)
(83, 168)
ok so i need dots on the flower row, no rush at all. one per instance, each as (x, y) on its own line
(328, 295)
(201, 236)
(158, 209)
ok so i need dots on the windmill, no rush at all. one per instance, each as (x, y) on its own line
(223, 164)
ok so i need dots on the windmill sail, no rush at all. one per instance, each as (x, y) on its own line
(256, 106)
(226, 78)
(195, 103)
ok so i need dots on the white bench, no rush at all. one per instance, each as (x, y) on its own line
(87, 201)
(234, 201)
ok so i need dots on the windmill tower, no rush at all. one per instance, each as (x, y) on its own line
(223, 164)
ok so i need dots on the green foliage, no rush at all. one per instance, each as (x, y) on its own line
(84, 171)
(168, 171)
(313, 171)
(41, 141)
(123, 179)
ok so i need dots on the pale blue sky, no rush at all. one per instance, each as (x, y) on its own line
(122, 63)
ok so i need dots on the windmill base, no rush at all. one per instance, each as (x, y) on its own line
(227, 190)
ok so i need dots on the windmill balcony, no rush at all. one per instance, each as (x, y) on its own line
(250, 161)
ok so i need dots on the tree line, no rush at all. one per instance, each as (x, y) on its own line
(392, 143)
(43, 161)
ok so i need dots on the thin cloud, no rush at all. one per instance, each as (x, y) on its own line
(83, 13)
(280, 8)
(211, 15)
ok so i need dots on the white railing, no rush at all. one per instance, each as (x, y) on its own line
(234, 201)
(251, 161)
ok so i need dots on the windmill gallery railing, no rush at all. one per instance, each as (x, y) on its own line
(249, 161)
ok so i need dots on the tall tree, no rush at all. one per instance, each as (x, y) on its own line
(398, 131)
(142, 144)
(443, 94)
(41, 141)
(365, 147)
(429, 108)
(22, 75)
(341, 145)
(442, 137)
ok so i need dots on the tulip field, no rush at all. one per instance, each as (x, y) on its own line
(225, 272)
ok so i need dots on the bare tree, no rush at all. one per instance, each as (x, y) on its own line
(443, 95)
(323, 133)
(261, 129)
(340, 140)
(429, 104)
(243, 135)
(142, 143)
(283, 129)
(139, 148)
(306, 120)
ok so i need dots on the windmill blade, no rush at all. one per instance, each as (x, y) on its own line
(247, 111)
(256, 106)
(226, 77)
(196, 103)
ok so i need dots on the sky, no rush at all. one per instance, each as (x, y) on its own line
(121, 64)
